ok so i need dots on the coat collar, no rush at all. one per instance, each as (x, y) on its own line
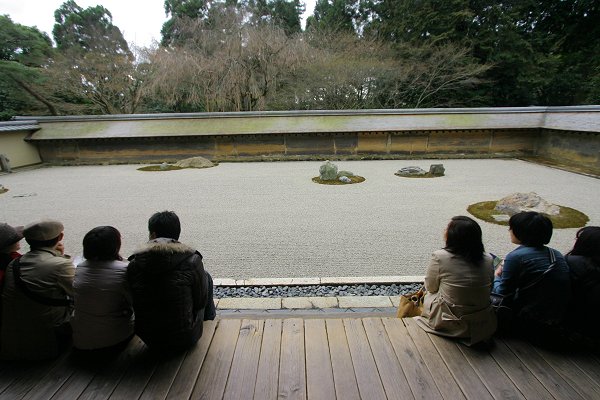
(164, 245)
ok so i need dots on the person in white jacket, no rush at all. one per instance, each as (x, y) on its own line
(103, 315)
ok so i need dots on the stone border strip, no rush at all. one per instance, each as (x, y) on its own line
(352, 280)
(306, 303)
(311, 303)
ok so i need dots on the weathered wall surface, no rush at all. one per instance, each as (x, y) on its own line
(19, 152)
(402, 144)
(580, 149)
(556, 133)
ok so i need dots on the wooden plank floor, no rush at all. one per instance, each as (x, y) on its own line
(296, 358)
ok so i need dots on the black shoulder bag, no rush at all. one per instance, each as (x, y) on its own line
(503, 304)
(38, 298)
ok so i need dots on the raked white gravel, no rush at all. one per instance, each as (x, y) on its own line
(256, 220)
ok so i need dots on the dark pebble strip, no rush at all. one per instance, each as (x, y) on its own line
(315, 290)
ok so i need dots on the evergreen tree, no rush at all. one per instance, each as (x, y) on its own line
(24, 54)
(333, 15)
(94, 67)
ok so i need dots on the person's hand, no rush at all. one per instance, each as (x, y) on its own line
(60, 246)
(498, 271)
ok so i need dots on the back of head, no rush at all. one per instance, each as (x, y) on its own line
(587, 243)
(102, 243)
(531, 228)
(464, 237)
(9, 235)
(165, 224)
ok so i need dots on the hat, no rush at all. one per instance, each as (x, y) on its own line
(43, 230)
(9, 234)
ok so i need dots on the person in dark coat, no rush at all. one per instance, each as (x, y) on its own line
(172, 293)
(584, 269)
(10, 244)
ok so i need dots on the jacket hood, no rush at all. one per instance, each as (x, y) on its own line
(161, 255)
(164, 245)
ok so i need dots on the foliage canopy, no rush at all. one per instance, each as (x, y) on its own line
(239, 55)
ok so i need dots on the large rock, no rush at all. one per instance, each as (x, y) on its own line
(437, 170)
(328, 171)
(195, 162)
(344, 173)
(411, 171)
(517, 202)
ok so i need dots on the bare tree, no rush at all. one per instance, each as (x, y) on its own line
(427, 76)
(224, 65)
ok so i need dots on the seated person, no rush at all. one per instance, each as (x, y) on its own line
(584, 269)
(35, 306)
(171, 291)
(539, 301)
(10, 244)
(103, 315)
(458, 282)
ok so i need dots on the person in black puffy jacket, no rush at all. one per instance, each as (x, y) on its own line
(584, 268)
(172, 293)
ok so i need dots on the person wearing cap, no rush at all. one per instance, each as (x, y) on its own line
(172, 293)
(35, 308)
(10, 244)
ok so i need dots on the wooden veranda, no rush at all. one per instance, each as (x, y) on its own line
(313, 358)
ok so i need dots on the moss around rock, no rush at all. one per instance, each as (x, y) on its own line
(566, 218)
(353, 179)
(160, 168)
(3, 189)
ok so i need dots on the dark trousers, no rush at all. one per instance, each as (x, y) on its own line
(210, 312)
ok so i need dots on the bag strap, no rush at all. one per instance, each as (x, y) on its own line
(38, 298)
(550, 268)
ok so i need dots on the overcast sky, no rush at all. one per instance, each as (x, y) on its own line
(139, 20)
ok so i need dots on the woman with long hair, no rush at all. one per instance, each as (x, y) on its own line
(584, 270)
(458, 283)
(103, 315)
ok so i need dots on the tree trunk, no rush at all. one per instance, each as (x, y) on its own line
(36, 95)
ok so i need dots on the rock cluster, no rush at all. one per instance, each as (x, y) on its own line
(329, 172)
(316, 290)
(434, 170)
(517, 202)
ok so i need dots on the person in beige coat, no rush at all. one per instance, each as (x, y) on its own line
(103, 317)
(458, 283)
(32, 329)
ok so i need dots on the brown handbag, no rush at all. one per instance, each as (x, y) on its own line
(411, 305)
